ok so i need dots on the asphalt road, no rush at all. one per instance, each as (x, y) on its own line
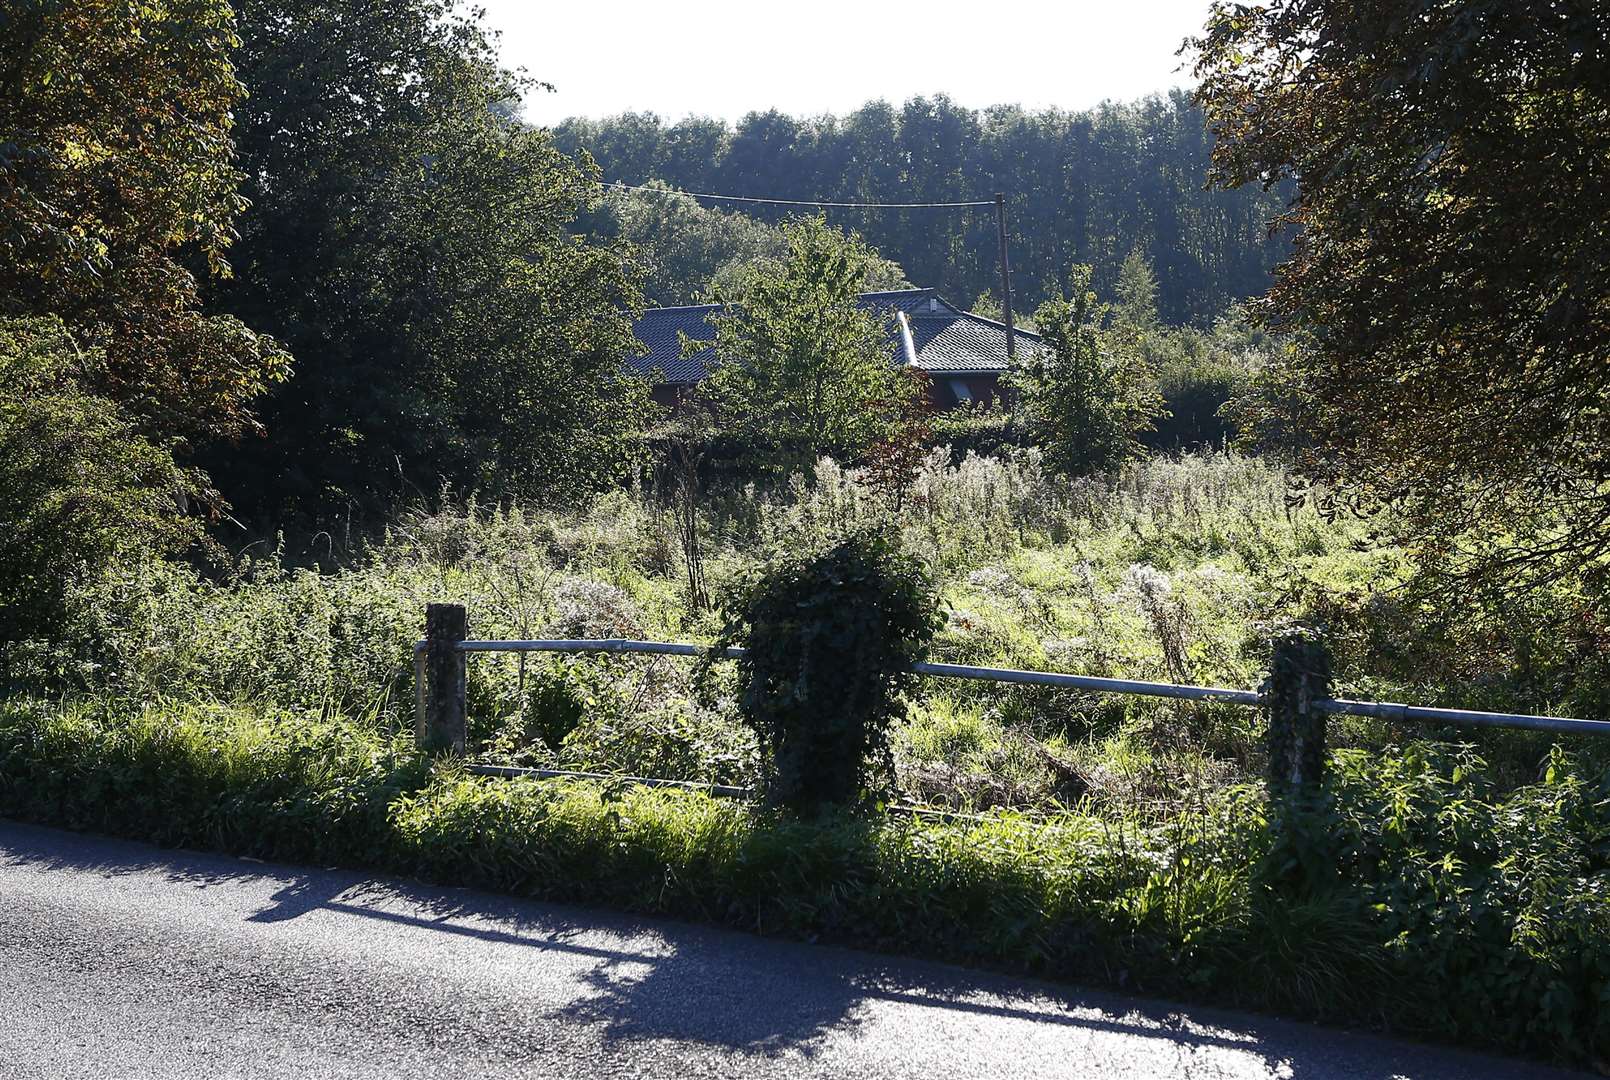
(123, 960)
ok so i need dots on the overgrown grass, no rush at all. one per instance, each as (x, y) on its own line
(1412, 895)
(1173, 571)
(262, 710)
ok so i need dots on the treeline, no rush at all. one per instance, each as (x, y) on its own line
(1082, 187)
(304, 250)
(684, 252)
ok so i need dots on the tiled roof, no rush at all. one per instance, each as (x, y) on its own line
(907, 300)
(946, 338)
(964, 342)
(658, 329)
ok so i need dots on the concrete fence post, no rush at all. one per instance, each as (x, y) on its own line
(441, 726)
(1299, 675)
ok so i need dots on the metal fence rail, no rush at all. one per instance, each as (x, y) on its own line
(1383, 710)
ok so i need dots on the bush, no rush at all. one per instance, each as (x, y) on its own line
(829, 636)
(80, 488)
(1195, 390)
(1502, 900)
(975, 429)
(1087, 394)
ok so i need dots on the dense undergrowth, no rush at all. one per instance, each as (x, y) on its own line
(1449, 882)
(1176, 571)
(1412, 895)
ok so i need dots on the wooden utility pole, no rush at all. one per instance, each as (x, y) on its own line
(1006, 277)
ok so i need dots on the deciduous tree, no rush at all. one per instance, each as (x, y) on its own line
(408, 237)
(1087, 396)
(80, 487)
(802, 369)
(1451, 281)
(116, 177)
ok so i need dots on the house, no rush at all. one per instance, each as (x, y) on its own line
(962, 354)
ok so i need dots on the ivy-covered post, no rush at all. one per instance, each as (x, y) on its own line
(1299, 675)
(442, 726)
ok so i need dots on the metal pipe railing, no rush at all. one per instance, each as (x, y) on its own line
(1387, 710)
(1384, 710)
(1091, 682)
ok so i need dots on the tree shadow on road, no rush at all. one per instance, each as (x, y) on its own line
(660, 980)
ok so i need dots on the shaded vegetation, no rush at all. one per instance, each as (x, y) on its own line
(1450, 283)
(407, 237)
(1082, 187)
(1452, 909)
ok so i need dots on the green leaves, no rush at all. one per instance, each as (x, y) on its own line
(1449, 286)
(409, 232)
(802, 370)
(829, 635)
(118, 177)
(1088, 394)
(80, 489)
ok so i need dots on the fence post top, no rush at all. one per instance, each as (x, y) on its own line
(446, 622)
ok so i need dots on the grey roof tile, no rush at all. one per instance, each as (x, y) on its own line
(946, 338)
(965, 342)
(659, 329)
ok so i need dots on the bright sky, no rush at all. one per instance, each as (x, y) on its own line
(723, 58)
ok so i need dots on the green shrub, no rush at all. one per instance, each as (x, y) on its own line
(556, 703)
(829, 636)
(975, 429)
(1195, 389)
(80, 488)
(1087, 395)
(1501, 900)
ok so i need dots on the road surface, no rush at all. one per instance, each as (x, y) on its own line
(123, 960)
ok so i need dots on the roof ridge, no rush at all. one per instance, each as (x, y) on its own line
(683, 307)
(900, 292)
(1016, 329)
(863, 296)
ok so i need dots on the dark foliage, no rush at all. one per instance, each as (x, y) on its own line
(1088, 187)
(407, 237)
(828, 636)
(1450, 286)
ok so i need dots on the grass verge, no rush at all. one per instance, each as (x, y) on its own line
(1409, 896)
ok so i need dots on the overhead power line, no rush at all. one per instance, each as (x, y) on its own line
(999, 203)
(800, 202)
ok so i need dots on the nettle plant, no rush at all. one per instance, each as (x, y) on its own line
(830, 635)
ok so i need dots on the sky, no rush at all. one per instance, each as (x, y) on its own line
(724, 59)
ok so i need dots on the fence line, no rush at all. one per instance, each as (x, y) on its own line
(1384, 710)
